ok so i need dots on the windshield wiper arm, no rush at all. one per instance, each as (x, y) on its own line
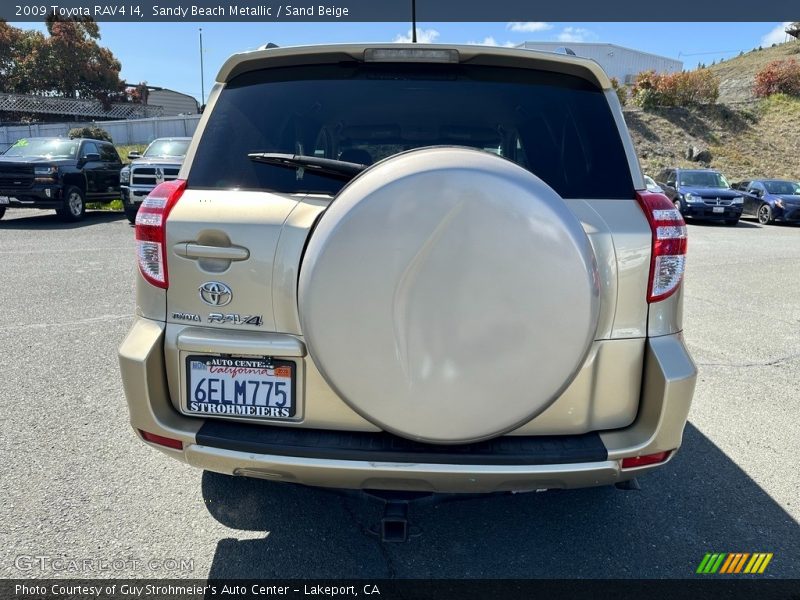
(328, 167)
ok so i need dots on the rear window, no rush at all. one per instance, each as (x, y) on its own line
(558, 126)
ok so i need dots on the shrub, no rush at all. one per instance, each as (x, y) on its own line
(93, 133)
(621, 90)
(778, 77)
(690, 88)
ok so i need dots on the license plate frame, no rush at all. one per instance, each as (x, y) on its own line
(718, 209)
(241, 366)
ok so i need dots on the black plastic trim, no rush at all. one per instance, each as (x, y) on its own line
(385, 447)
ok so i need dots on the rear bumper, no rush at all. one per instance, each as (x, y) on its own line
(380, 461)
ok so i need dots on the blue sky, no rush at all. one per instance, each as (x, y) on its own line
(167, 54)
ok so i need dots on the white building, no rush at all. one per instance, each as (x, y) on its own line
(617, 61)
(174, 103)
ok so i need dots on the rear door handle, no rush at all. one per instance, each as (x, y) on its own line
(194, 251)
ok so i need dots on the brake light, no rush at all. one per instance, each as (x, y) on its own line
(668, 256)
(647, 459)
(161, 440)
(151, 234)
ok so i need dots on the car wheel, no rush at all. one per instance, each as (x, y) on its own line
(130, 212)
(765, 214)
(677, 204)
(74, 205)
(732, 222)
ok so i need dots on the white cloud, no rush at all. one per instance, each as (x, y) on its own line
(487, 41)
(575, 34)
(776, 36)
(424, 36)
(529, 26)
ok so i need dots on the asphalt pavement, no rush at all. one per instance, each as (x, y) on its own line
(81, 491)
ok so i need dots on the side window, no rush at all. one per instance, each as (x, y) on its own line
(89, 148)
(671, 178)
(108, 153)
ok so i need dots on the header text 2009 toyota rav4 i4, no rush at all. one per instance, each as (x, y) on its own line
(411, 267)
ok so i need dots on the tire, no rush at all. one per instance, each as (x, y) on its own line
(677, 204)
(732, 222)
(765, 214)
(417, 308)
(130, 212)
(74, 205)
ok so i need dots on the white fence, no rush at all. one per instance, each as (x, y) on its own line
(134, 131)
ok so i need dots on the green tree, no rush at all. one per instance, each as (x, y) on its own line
(78, 65)
(92, 133)
(66, 62)
(21, 59)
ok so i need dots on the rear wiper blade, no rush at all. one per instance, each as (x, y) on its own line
(328, 167)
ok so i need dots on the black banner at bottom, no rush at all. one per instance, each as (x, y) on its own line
(391, 589)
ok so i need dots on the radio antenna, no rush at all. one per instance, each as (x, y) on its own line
(414, 21)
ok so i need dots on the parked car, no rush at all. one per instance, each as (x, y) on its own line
(373, 284)
(652, 186)
(59, 173)
(771, 200)
(160, 162)
(702, 194)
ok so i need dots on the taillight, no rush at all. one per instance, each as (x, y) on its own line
(151, 234)
(668, 256)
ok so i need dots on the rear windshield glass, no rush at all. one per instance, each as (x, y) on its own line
(558, 126)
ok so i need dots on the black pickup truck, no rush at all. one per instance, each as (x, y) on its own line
(59, 173)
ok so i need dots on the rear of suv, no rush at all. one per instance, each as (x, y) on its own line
(411, 267)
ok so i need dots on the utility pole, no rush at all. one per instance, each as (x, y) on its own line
(202, 74)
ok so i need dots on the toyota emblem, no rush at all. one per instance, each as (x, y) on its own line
(215, 293)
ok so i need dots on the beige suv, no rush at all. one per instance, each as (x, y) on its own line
(410, 267)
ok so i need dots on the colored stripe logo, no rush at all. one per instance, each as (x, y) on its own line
(730, 563)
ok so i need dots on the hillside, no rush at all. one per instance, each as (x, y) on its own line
(736, 75)
(747, 137)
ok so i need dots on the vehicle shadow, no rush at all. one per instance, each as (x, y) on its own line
(51, 221)
(700, 502)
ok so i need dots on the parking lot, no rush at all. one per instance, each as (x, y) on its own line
(78, 484)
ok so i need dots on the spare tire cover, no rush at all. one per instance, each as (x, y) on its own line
(448, 295)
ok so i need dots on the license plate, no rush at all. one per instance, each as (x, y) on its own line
(5, 200)
(718, 209)
(254, 388)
